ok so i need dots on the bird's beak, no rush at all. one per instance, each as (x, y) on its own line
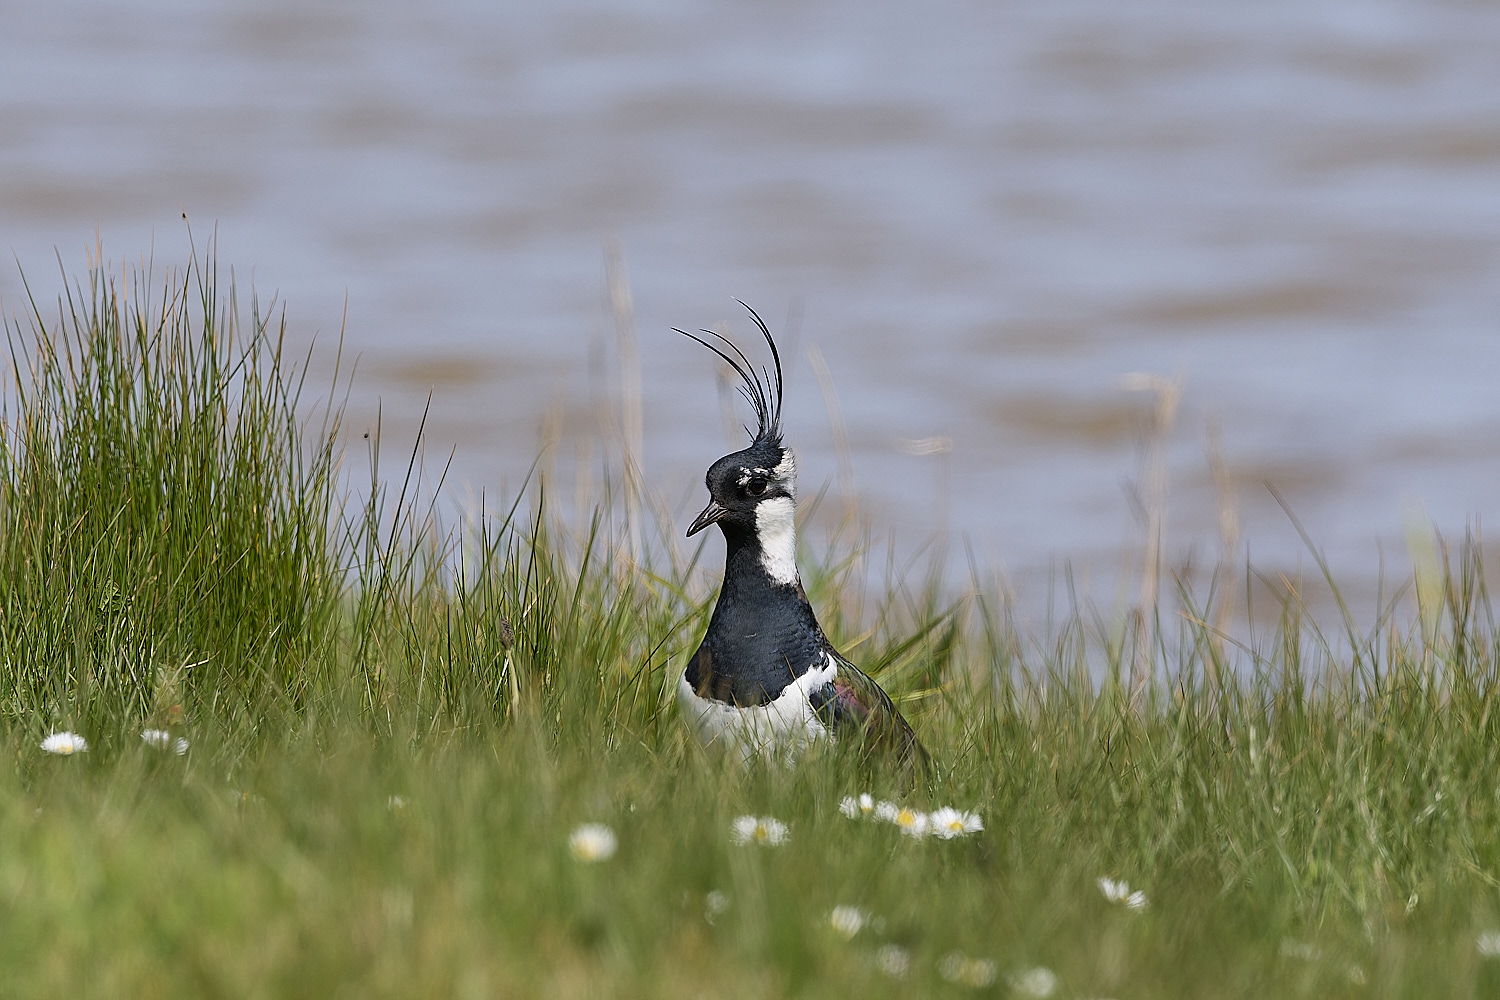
(710, 514)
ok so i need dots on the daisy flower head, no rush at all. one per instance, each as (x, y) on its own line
(847, 921)
(161, 739)
(1120, 892)
(948, 823)
(714, 905)
(975, 973)
(592, 842)
(767, 831)
(1488, 943)
(65, 744)
(860, 807)
(909, 820)
(1039, 982)
(893, 960)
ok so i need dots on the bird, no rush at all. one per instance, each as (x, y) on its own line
(766, 681)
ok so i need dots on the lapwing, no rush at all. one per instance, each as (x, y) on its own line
(766, 680)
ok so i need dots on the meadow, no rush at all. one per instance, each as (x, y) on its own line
(385, 756)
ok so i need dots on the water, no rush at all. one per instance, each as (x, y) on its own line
(984, 215)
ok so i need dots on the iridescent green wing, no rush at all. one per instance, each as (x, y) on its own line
(854, 706)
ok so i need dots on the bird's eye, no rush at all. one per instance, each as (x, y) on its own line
(756, 486)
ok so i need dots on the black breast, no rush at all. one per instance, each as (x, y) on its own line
(759, 640)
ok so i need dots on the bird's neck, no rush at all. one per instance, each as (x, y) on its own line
(769, 551)
(760, 566)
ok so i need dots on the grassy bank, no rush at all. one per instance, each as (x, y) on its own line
(393, 729)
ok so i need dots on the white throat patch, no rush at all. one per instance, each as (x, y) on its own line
(776, 530)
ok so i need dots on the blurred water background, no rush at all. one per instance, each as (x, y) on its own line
(976, 216)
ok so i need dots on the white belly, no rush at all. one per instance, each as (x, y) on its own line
(769, 730)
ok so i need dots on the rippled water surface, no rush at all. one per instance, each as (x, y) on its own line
(983, 214)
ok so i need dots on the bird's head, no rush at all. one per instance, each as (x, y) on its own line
(750, 489)
(754, 491)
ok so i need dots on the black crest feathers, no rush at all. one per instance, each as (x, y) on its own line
(759, 387)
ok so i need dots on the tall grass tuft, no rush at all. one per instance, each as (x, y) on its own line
(166, 515)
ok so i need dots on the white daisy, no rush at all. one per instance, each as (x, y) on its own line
(766, 830)
(893, 960)
(714, 905)
(396, 804)
(949, 823)
(975, 973)
(1120, 892)
(160, 739)
(847, 921)
(1039, 982)
(858, 808)
(912, 823)
(1488, 944)
(65, 744)
(592, 842)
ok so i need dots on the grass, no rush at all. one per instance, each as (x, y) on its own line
(395, 728)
